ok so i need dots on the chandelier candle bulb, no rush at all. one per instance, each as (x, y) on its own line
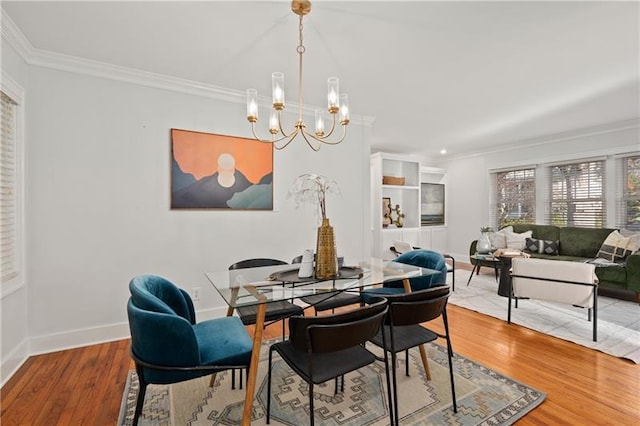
(332, 97)
(277, 86)
(252, 105)
(344, 110)
(274, 123)
(319, 122)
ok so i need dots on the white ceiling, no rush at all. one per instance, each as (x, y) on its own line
(465, 76)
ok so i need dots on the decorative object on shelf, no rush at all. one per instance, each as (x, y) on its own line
(313, 189)
(393, 180)
(386, 211)
(398, 222)
(337, 103)
(484, 242)
(432, 204)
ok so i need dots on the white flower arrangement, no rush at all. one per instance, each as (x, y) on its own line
(313, 189)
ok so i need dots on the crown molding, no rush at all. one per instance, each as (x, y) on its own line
(601, 129)
(62, 62)
(12, 34)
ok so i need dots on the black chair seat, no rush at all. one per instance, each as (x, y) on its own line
(326, 366)
(405, 337)
(331, 300)
(274, 311)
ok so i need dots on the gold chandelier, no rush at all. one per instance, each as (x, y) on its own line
(337, 103)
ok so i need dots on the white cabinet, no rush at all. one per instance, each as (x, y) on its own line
(434, 238)
(406, 196)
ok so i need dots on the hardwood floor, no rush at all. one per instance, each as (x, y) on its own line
(584, 387)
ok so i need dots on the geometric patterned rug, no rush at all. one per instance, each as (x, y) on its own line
(618, 320)
(484, 397)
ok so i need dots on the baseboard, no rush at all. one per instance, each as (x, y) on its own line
(96, 335)
(13, 361)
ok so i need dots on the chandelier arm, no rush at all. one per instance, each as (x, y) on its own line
(272, 141)
(291, 138)
(323, 139)
(284, 134)
(306, 139)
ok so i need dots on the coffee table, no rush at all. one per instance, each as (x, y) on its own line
(481, 258)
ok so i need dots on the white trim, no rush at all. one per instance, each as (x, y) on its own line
(95, 335)
(58, 61)
(617, 126)
(12, 362)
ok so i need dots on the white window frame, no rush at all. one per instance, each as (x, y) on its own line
(16, 93)
(623, 194)
(577, 199)
(496, 198)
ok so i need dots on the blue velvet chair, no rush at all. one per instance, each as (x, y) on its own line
(423, 258)
(168, 346)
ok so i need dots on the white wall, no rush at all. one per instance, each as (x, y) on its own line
(468, 178)
(98, 204)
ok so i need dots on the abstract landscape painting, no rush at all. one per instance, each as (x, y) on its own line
(210, 171)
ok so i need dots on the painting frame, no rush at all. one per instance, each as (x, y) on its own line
(432, 205)
(210, 171)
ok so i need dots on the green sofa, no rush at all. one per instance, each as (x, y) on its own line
(581, 244)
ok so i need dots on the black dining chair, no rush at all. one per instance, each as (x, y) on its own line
(403, 330)
(327, 347)
(274, 311)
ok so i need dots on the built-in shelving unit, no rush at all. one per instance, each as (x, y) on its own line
(407, 196)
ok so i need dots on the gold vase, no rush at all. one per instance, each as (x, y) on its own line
(326, 260)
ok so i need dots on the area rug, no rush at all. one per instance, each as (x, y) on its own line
(484, 397)
(618, 320)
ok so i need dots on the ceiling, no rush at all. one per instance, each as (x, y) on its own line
(464, 76)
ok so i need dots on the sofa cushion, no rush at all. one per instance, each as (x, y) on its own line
(617, 248)
(582, 242)
(540, 232)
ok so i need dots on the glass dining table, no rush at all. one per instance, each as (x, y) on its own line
(263, 285)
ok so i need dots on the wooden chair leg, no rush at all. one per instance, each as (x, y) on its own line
(425, 363)
(213, 379)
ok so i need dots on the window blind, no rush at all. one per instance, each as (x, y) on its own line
(628, 190)
(513, 197)
(575, 194)
(8, 200)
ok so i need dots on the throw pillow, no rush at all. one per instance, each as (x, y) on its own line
(517, 241)
(532, 245)
(616, 248)
(499, 239)
(549, 247)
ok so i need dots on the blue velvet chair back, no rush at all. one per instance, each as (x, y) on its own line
(161, 318)
(425, 259)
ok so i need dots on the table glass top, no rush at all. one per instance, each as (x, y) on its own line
(250, 286)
